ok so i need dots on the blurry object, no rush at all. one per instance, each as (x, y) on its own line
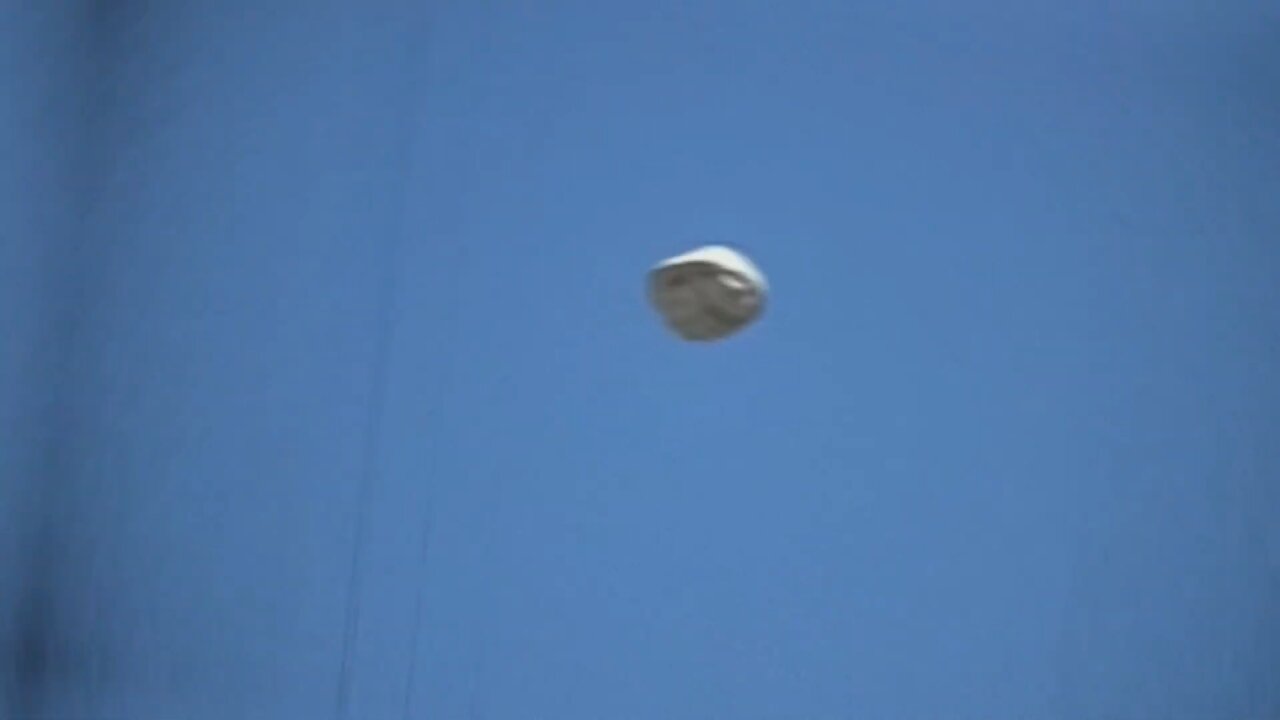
(708, 294)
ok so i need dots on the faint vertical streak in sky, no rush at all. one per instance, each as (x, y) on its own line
(418, 605)
(387, 324)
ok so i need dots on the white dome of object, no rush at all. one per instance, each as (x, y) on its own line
(709, 293)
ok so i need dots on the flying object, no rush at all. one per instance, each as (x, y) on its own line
(708, 294)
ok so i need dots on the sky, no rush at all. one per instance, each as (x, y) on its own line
(330, 388)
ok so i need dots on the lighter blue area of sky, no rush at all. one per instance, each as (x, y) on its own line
(1004, 445)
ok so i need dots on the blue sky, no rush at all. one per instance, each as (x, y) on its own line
(1003, 446)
